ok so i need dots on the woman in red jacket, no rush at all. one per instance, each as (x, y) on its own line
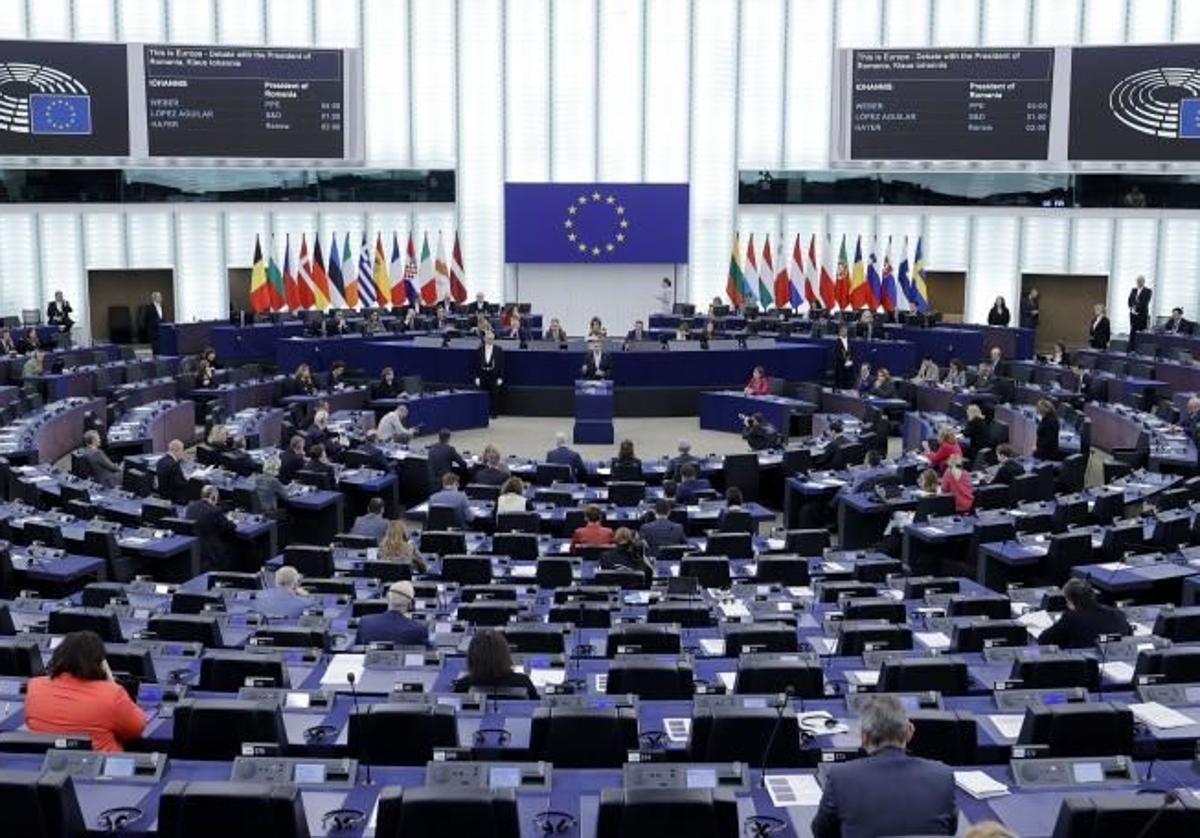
(947, 447)
(758, 384)
(956, 481)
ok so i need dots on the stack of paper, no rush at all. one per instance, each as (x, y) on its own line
(542, 677)
(863, 677)
(736, 608)
(1118, 672)
(340, 666)
(933, 639)
(793, 790)
(679, 731)
(1008, 725)
(1160, 716)
(1036, 621)
(714, 647)
(979, 785)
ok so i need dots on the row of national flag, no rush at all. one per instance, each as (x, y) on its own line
(799, 280)
(367, 279)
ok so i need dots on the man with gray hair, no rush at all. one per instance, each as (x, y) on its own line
(563, 455)
(104, 470)
(887, 792)
(213, 528)
(285, 599)
(394, 625)
(680, 460)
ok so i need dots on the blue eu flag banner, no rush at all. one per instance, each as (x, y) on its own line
(58, 113)
(596, 223)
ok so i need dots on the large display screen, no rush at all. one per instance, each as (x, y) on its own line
(213, 101)
(950, 104)
(63, 99)
(1135, 103)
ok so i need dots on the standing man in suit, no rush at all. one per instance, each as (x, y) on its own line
(1139, 305)
(1046, 447)
(661, 531)
(887, 792)
(153, 316)
(843, 364)
(489, 368)
(443, 457)
(1030, 310)
(172, 485)
(58, 313)
(104, 470)
(597, 364)
(1100, 332)
(563, 455)
(213, 529)
(394, 625)
(1084, 620)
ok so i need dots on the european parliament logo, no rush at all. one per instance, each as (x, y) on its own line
(37, 99)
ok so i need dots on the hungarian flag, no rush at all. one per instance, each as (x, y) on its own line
(291, 289)
(887, 283)
(797, 275)
(275, 281)
(410, 272)
(841, 285)
(320, 279)
(366, 282)
(735, 281)
(397, 273)
(782, 296)
(426, 279)
(458, 274)
(383, 284)
(441, 270)
(827, 288)
(337, 282)
(811, 271)
(308, 295)
(860, 292)
(766, 275)
(260, 294)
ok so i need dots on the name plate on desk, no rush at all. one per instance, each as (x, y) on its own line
(1017, 698)
(569, 701)
(929, 700)
(168, 648)
(1128, 648)
(489, 775)
(465, 702)
(399, 659)
(1169, 694)
(645, 775)
(327, 773)
(1079, 772)
(93, 765)
(315, 700)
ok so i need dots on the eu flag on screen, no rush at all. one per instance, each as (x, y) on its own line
(596, 223)
(58, 113)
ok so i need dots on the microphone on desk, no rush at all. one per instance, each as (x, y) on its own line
(366, 760)
(783, 706)
(1169, 797)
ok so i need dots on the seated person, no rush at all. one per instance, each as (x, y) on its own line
(708, 334)
(318, 460)
(302, 383)
(206, 376)
(555, 332)
(956, 481)
(451, 496)
(292, 459)
(956, 374)
(339, 325)
(168, 473)
(928, 371)
(1009, 469)
(626, 456)
(685, 456)
(373, 456)
(627, 553)
(512, 497)
(661, 531)
(8, 346)
(394, 625)
(387, 387)
(733, 503)
(834, 457)
(638, 333)
(79, 695)
(887, 792)
(267, 487)
(928, 482)
(1085, 619)
(593, 532)
(690, 483)
(494, 472)
(373, 325)
(884, 387)
(866, 381)
(1059, 356)
(104, 471)
(337, 376)
(392, 428)
(1046, 447)
(563, 455)
(1176, 324)
(214, 529)
(285, 599)
(760, 434)
(372, 524)
(947, 447)
(758, 385)
(397, 547)
(985, 377)
(490, 666)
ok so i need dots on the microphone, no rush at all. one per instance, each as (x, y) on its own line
(1168, 798)
(366, 762)
(783, 706)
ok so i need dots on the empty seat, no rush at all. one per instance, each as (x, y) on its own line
(710, 571)
(1180, 665)
(467, 570)
(990, 606)
(944, 735)
(199, 809)
(782, 570)
(741, 638)
(535, 638)
(1180, 625)
(777, 673)
(20, 657)
(1048, 671)
(943, 675)
(875, 608)
(642, 639)
(206, 728)
(401, 734)
(656, 812)
(38, 805)
(981, 634)
(447, 811)
(1079, 730)
(290, 637)
(855, 638)
(99, 620)
(187, 628)
(650, 679)
(227, 671)
(685, 614)
(592, 737)
(735, 545)
(743, 734)
(494, 613)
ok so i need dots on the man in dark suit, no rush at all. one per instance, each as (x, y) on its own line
(1009, 469)
(563, 455)
(372, 524)
(103, 470)
(153, 316)
(493, 472)
(690, 482)
(680, 460)
(1046, 445)
(387, 387)
(1030, 310)
(1100, 331)
(597, 364)
(479, 305)
(394, 625)
(339, 325)
(843, 364)
(172, 485)
(213, 529)
(443, 457)
(489, 370)
(58, 312)
(886, 792)
(834, 457)
(661, 531)
(371, 452)
(1176, 325)
(292, 460)
(868, 329)
(1139, 305)
(1084, 620)
(454, 498)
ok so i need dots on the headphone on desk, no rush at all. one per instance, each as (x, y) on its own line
(552, 822)
(116, 819)
(341, 820)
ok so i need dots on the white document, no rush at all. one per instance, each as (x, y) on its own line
(736, 608)
(863, 677)
(1037, 621)
(522, 571)
(1118, 672)
(542, 677)
(979, 785)
(784, 607)
(340, 666)
(1113, 566)
(793, 790)
(1008, 725)
(823, 645)
(776, 543)
(933, 639)
(728, 679)
(1160, 716)
(679, 731)
(714, 647)
(803, 592)
(602, 682)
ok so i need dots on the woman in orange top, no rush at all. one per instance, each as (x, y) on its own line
(593, 532)
(947, 447)
(956, 481)
(758, 385)
(80, 696)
